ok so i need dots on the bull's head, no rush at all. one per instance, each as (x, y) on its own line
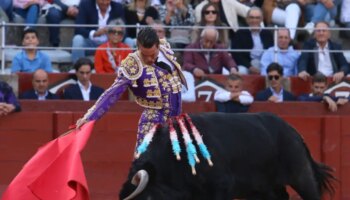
(139, 180)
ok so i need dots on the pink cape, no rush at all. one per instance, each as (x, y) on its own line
(55, 172)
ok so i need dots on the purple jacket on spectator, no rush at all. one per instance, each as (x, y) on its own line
(7, 95)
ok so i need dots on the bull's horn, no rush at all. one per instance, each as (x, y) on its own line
(140, 180)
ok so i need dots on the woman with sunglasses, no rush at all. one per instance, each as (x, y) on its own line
(211, 17)
(109, 55)
(275, 92)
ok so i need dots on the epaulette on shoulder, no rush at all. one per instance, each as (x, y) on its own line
(131, 67)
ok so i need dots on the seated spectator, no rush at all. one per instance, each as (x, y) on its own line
(234, 99)
(28, 9)
(107, 60)
(229, 9)
(286, 56)
(275, 92)
(6, 6)
(8, 100)
(139, 12)
(177, 13)
(329, 63)
(40, 90)
(30, 58)
(254, 39)
(83, 90)
(60, 10)
(94, 12)
(323, 10)
(318, 87)
(211, 17)
(201, 63)
(284, 13)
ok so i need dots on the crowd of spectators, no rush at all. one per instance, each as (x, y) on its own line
(222, 37)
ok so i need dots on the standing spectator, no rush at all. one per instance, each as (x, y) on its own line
(6, 6)
(28, 9)
(286, 56)
(30, 58)
(211, 17)
(318, 87)
(107, 60)
(139, 12)
(229, 11)
(275, 93)
(205, 62)
(234, 99)
(254, 39)
(284, 13)
(8, 100)
(322, 10)
(40, 90)
(60, 10)
(328, 63)
(83, 90)
(94, 12)
(178, 13)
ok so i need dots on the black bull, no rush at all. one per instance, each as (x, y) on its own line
(255, 156)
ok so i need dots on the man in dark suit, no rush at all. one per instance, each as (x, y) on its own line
(275, 93)
(40, 84)
(83, 90)
(254, 39)
(99, 15)
(328, 63)
(201, 63)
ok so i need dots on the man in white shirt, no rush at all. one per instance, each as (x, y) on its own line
(234, 99)
(83, 90)
(98, 13)
(324, 60)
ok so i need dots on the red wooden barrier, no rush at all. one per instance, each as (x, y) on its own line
(109, 151)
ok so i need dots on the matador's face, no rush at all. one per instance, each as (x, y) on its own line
(149, 55)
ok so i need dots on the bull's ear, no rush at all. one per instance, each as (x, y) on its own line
(149, 167)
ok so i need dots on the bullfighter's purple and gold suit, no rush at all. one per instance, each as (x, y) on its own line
(154, 88)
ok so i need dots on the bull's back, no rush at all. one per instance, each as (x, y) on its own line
(243, 138)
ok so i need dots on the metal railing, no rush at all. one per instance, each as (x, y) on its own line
(5, 25)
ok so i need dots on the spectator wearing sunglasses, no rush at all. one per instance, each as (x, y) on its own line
(275, 92)
(109, 55)
(210, 16)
